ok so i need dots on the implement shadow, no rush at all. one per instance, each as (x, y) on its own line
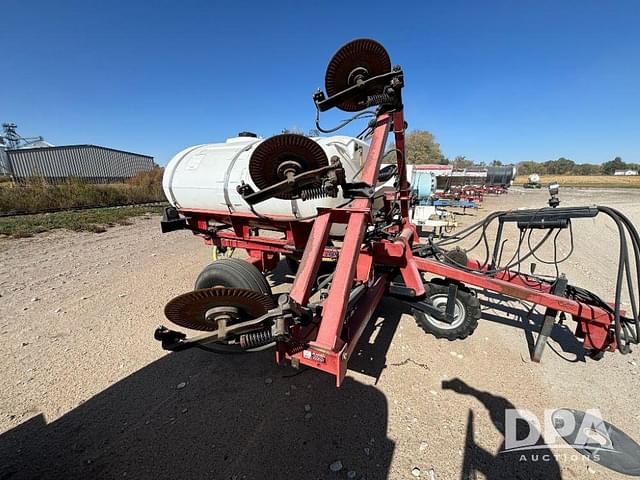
(237, 417)
(370, 356)
(497, 308)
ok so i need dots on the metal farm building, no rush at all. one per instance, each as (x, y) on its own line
(91, 163)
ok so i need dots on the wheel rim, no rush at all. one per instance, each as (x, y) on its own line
(440, 302)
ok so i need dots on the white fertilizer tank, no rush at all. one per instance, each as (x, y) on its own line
(205, 177)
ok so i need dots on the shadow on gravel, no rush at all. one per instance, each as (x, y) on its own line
(370, 356)
(236, 417)
(535, 464)
(530, 322)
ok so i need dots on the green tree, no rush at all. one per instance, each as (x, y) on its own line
(421, 147)
(529, 166)
(496, 163)
(561, 166)
(611, 166)
(587, 169)
(462, 162)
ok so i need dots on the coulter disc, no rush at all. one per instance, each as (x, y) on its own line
(201, 309)
(362, 58)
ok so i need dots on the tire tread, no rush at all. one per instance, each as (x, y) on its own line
(472, 308)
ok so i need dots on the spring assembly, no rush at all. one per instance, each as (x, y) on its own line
(256, 339)
(379, 99)
(314, 193)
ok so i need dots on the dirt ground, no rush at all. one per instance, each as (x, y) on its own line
(87, 392)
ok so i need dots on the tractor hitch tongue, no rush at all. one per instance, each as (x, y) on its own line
(343, 223)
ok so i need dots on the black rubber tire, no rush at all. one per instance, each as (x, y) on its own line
(594, 354)
(467, 304)
(233, 273)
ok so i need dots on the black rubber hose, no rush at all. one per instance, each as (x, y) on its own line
(366, 113)
(470, 229)
(624, 273)
(511, 263)
(635, 239)
(522, 259)
(555, 261)
(621, 267)
(623, 347)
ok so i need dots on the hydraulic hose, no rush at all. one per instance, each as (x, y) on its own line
(624, 335)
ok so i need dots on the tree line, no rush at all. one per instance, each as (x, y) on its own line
(422, 148)
(564, 166)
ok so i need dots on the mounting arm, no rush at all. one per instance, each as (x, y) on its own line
(391, 83)
(328, 178)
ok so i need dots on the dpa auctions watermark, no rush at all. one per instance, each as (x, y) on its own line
(525, 433)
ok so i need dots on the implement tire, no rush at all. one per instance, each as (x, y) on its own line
(466, 314)
(233, 273)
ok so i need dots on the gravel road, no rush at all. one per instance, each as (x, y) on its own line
(87, 392)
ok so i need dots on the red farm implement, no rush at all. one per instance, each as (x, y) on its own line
(377, 250)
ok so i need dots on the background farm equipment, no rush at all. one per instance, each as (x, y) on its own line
(533, 181)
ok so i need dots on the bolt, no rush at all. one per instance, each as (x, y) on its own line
(283, 299)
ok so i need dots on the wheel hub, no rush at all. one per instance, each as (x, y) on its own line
(440, 302)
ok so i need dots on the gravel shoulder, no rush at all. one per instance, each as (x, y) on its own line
(88, 393)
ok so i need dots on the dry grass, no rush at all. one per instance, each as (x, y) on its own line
(39, 196)
(585, 180)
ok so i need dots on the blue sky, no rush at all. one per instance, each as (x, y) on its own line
(508, 80)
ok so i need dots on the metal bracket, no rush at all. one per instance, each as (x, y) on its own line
(424, 307)
(394, 79)
(559, 288)
(357, 190)
(172, 221)
(402, 291)
(407, 295)
(175, 341)
(450, 310)
(293, 185)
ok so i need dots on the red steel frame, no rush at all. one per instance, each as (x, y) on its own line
(329, 346)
